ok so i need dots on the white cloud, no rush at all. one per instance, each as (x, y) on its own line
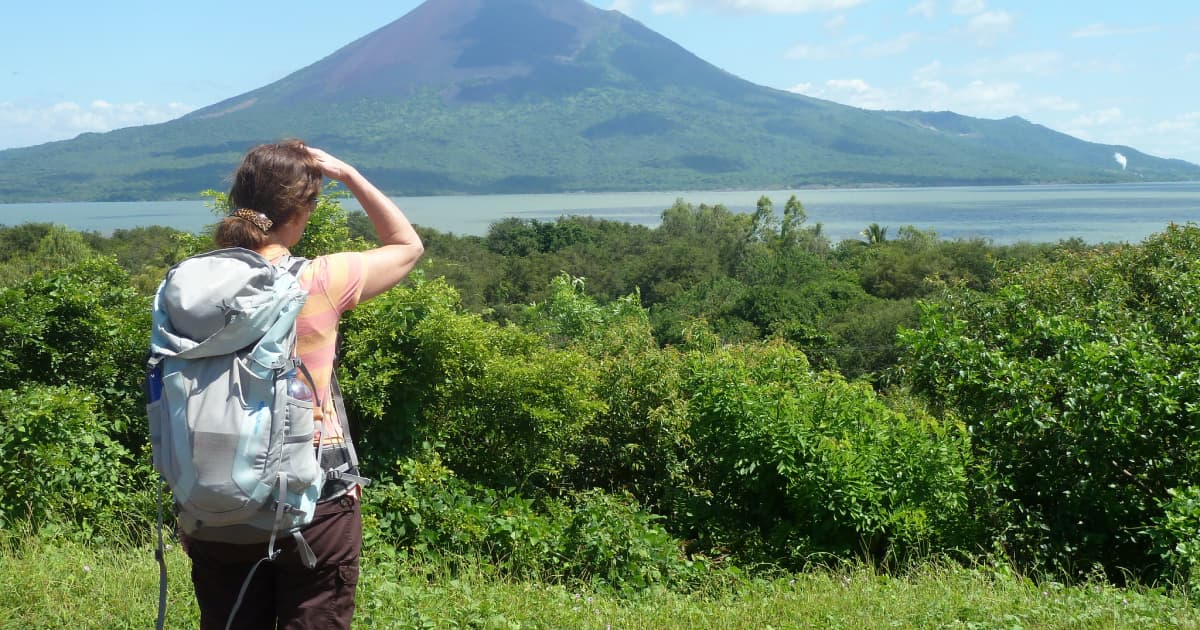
(1056, 104)
(27, 125)
(785, 6)
(854, 92)
(811, 52)
(893, 46)
(996, 98)
(857, 45)
(1098, 118)
(927, 8)
(1186, 122)
(1044, 62)
(989, 99)
(1173, 137)
(968, 7)
(990, 25)
(801, 88)
(835, 23)
(662, 7)
(624, 6)
(1105, 30)
(928, 71)
(849, 85)
(998, 88)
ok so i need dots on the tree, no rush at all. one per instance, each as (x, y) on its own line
(875, 234)
(793, 219)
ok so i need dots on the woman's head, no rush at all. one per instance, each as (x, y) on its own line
(275, 185)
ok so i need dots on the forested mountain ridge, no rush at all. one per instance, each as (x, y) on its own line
(494, 96)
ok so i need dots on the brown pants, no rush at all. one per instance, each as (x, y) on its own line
(283, 592)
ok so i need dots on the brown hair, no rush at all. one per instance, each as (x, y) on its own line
(277, 181)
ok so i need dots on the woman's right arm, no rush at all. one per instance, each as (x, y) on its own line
(401, 247)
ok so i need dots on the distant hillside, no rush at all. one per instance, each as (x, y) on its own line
(488, 96)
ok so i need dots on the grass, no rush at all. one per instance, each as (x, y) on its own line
(49, 583)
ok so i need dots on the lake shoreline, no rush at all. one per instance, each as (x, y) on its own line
(1002, 214)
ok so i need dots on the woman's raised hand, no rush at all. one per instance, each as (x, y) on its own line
(331, 167)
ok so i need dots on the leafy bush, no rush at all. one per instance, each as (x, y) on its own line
(506, 407)
(57, 459)
(84, 326)
(1077, 378)
(635, 441)
(745, 447)
(591, 537)
(609, 538)
(796, 464)
(1175, 536)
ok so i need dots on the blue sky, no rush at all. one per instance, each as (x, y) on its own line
(1106, 71)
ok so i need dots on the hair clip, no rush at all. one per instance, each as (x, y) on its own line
(259, 219)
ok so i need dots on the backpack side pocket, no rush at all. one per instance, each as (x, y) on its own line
(299, 458)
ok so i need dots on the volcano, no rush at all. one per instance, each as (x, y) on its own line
(531, 96)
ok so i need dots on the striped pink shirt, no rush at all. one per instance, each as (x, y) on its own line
(334, 284)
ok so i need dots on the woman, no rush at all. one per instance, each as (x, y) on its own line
(275, 190)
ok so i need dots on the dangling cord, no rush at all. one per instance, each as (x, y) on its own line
(242, 593)
(162, 566)
(272, 552)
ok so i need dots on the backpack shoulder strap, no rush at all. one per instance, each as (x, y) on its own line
(295, 265)
(339, 405)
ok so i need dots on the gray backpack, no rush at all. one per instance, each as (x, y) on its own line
(235, 448)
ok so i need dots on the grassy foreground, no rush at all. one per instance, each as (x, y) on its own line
(69, 585)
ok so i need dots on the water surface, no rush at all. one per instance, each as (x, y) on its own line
(1003, 214)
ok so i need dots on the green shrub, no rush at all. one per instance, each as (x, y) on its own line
(611, 539)
(590, 537)
(84, 326)
(508, 408)
(795, 465)
(422, 506)
(57, 459)
(744, 448)
(1175, 536)
(1077, 378)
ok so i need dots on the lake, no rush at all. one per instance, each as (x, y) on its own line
(1003, 214)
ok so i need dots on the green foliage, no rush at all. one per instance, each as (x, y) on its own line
(145, 253)
(590, 537)
(749, 276)
(506, 406)
(795, 464)
(423, 506)
(517, 237)
(636, 441)
(917, 264)
(582, 428)
(581, 397)
(1175, 536)
(1076, 379)
(35, 247)
(57, 459)
(82, 326)
(610, 539)
(328, 229)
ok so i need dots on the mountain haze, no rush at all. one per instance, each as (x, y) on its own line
(484, 96)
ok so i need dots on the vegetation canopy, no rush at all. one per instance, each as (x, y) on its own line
(585, 402)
